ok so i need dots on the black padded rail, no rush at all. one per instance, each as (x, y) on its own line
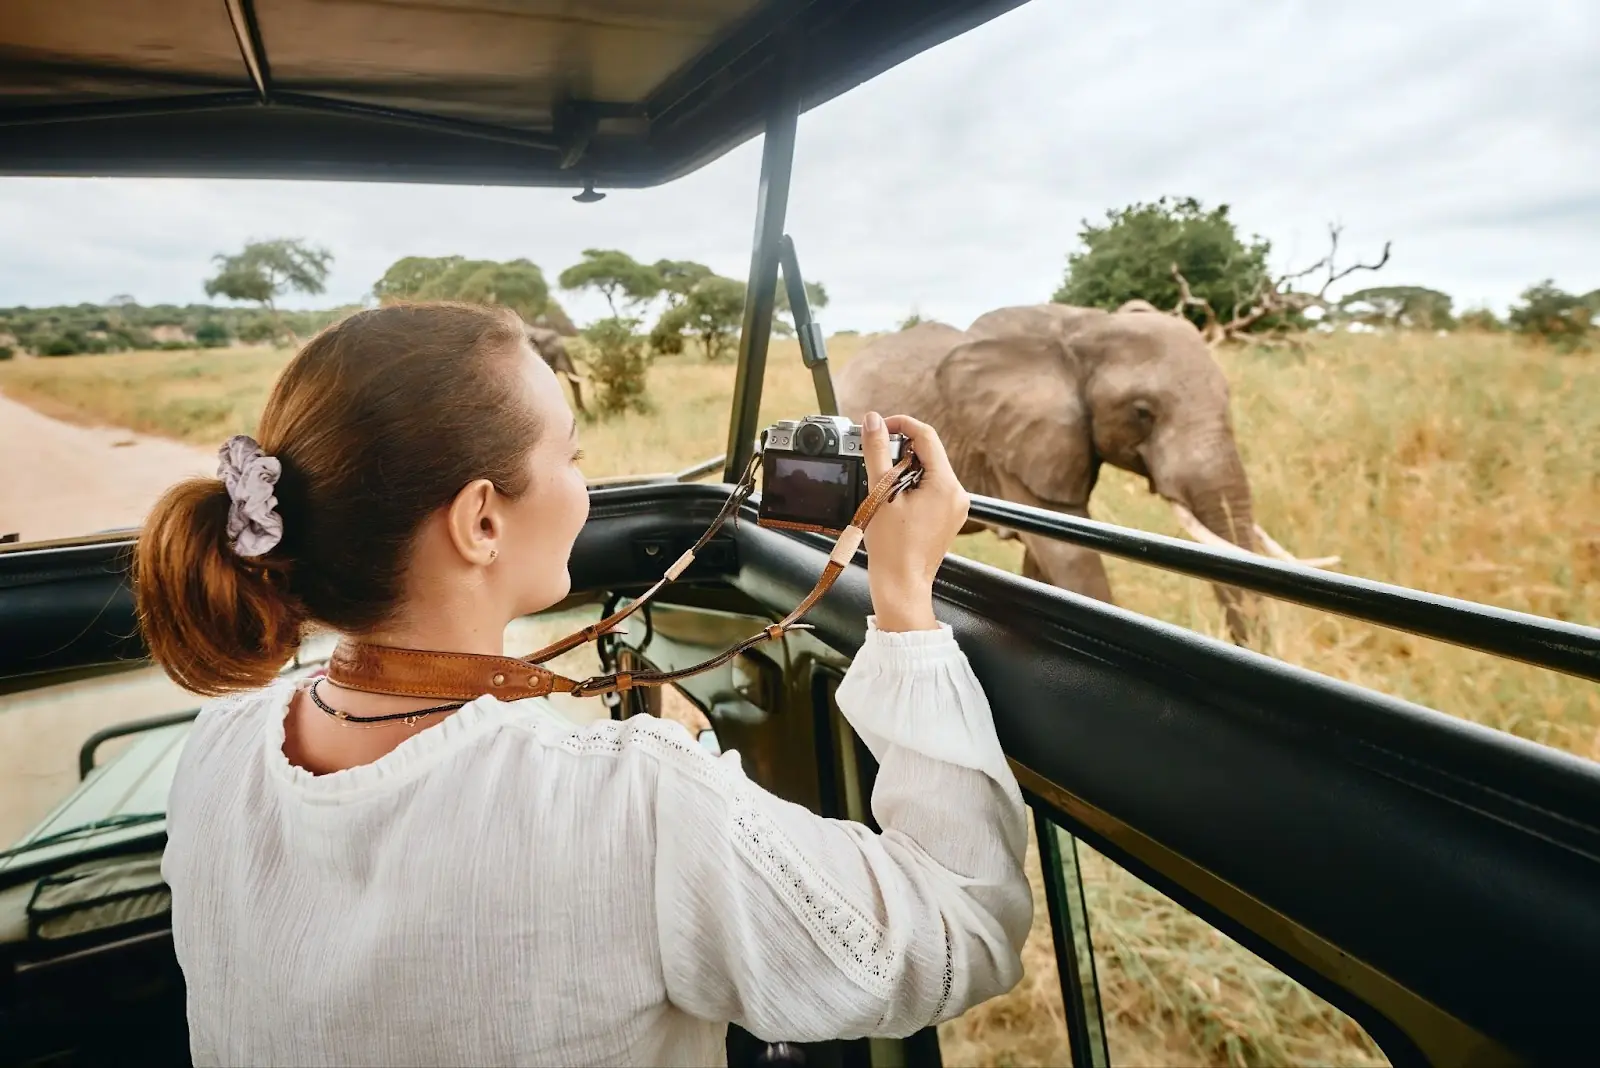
(1461, 862)
(66, 608)
(71, 607)
(1552, 643)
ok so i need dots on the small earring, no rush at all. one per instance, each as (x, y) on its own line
(492, 554)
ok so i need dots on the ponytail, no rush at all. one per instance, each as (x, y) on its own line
(216, 622)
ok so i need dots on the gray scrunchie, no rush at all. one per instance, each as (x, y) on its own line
(254, 525)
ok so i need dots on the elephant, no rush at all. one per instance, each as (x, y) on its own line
(552, 347)
(1031, 400)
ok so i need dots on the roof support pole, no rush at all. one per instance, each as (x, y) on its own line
(772, 203)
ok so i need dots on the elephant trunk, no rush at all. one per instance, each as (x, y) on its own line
(1214, 496)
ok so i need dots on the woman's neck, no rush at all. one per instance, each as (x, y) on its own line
(446, 621)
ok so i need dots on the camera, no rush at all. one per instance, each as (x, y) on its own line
(815, 473)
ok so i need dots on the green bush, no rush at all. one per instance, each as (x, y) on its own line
(5, 352)
(618, 360)
(1131, 255)
(1552, 315)
(212, 335)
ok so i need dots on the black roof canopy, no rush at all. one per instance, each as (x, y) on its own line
(625, 93)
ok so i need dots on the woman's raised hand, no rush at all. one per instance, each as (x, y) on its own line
(909, 536)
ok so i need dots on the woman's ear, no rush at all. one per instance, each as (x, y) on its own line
(1018, 397)
(474, 522)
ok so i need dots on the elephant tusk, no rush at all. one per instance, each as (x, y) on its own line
(1198, 530)
(1206, 536)
(1274, 549)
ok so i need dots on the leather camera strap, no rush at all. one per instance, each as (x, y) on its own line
(424, 673)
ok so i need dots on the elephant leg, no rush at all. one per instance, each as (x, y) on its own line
(1031, 568)
(1071, 567)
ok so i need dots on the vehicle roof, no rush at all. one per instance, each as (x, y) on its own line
(627, 93)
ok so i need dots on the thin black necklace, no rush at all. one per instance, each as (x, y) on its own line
(410, 717)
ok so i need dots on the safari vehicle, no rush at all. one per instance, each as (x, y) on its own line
(1437, 881)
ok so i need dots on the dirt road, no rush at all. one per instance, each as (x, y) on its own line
(58, 480)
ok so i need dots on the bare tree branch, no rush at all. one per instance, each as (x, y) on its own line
(1187, 299)
(1277, 294)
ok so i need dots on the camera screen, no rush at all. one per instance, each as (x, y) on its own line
(809, 490)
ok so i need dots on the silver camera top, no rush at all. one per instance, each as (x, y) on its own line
(824, 435)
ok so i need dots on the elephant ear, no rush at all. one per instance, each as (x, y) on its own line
(1015, 402)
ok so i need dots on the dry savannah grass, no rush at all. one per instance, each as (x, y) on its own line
(1463, 465)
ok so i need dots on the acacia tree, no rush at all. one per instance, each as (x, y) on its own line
(265, 270)
(1416, 307)
(678, 277)
(711, 311)
(410, 275)
(517, 284)
(816, 297)
(615, 275)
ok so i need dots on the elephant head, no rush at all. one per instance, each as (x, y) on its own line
(552, 348)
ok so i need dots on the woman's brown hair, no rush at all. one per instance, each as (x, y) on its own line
(377, 422)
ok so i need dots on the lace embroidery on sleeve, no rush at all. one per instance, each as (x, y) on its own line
(854, 940)
(948, 981)
(856, 943)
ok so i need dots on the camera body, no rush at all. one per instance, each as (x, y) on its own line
(814, 473)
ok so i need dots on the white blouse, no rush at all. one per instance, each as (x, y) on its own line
(505, 887)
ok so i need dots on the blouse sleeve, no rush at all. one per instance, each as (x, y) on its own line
(802, 928)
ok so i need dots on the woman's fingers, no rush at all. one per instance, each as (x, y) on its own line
(924, 439)
(875, 446)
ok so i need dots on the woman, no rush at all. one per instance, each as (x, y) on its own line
(493, 884)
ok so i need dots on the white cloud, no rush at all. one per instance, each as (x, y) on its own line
(1468, 133)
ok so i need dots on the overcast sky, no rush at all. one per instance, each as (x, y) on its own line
(1466, 132)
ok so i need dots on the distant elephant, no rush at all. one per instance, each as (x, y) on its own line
(550, 345)
(1031, 400)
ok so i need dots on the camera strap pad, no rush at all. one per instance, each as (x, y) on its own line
(424, 673)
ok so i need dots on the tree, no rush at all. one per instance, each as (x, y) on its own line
(1552, 315)
(1132, 254)
(266, 270)
(678, 277)
(409, 275)
(617, 360)
(615, 275)
(555, 317)
(1413, 307)
(914, 319)
(446, 284)
(816, 297)
(518, 285)
(711, 311)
